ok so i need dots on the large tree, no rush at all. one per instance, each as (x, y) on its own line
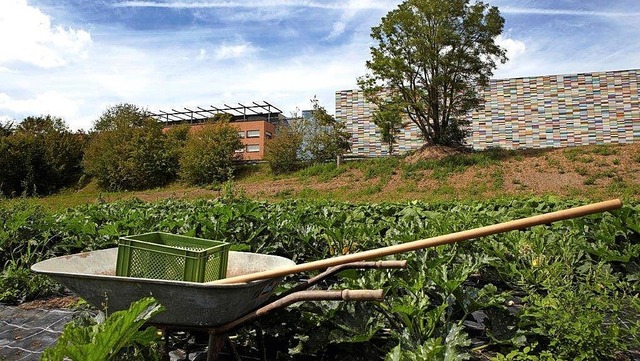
(431, 58)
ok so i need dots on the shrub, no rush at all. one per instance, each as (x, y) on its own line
(178, 135)
(39, 157)
(210, 153)
(282, 152)
(131, 157)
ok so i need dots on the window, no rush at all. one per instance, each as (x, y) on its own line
(252, 148)
(253, 134)
(241, 150)
(268, 135)
(241, 134)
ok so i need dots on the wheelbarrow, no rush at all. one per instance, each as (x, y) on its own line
(216, 309)
(222, 305)
(91, 275)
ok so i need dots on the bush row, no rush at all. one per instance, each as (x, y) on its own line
(125, 151)
(39, 156)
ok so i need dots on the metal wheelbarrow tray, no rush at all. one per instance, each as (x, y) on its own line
(91, 275)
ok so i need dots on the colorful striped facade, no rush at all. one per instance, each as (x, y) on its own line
(532, 112)
(357, 113)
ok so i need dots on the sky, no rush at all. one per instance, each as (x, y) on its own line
(76, 58)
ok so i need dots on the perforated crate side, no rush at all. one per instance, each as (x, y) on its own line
(172, 257)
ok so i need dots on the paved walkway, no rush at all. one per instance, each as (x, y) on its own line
(26, 333)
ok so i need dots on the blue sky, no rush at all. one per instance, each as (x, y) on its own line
(75, 58)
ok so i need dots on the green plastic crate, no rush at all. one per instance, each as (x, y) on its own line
(168, 256)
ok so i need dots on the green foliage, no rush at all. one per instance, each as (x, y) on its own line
(379, 167)
(330, 138)
(388, 119)
(26, 237)
(604, 150)
(6, 128)
(209, 155)
(118, 337)
(128, 157)
(39, 157)
(430, 58)
(435, 349)
(178, 135)
(601, 326)
(18, 284)
(282, 153)
(123, 115)
(567, 290)
(308, 142)
(443, 168)
(323, 171)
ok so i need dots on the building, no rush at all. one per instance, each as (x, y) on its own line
(530, 112)
(357, 113)
(255, 123)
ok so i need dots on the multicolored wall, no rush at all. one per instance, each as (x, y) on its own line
(357, 113)
(532, 112)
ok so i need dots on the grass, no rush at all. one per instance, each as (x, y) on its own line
(604, 149)
(471, 175)
(497, 178)
(323, 172)
(443, 168)
(379, 167)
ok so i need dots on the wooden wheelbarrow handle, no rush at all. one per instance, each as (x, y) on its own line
(429, 242)
(302, 296)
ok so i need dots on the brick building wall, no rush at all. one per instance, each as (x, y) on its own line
(253, 134)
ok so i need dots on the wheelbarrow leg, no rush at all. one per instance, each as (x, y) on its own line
(165, 344)
(216, 344)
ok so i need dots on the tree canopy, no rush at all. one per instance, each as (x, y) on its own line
(431, 59)
(330, 138)
(120, 115)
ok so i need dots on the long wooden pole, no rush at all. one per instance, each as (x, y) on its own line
(429, 242)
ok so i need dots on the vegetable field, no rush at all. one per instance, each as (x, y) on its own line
(566, 291)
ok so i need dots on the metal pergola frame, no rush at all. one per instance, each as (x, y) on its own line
(200, 115)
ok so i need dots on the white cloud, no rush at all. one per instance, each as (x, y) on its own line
(231, 51)
(571, 12)
(28, 36)
(202, 54)
(46, 103)
(337, 30)
(514, 48)
(353, 4)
